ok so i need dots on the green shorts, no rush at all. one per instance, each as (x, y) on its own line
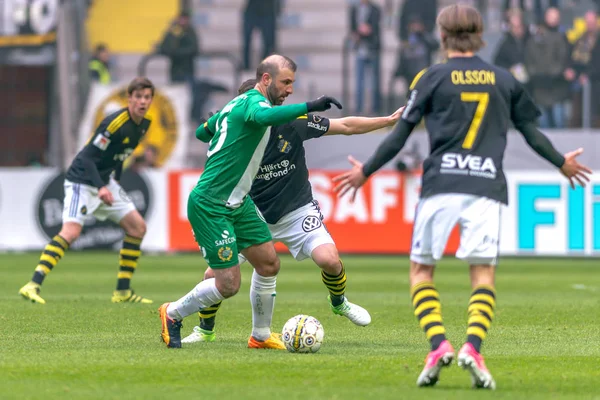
(223, 232)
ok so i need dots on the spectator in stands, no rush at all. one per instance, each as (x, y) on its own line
(425, 10)
(365, 20)
(546, 57)
(538, 8)
(417, 51)
(261, 15)
(585, 60)
(180, 44)
(510, 53)
(98, 66)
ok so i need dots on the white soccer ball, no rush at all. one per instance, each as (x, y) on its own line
(303, 334)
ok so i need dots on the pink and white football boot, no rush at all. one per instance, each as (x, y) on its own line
(435, 361)
(471, 360)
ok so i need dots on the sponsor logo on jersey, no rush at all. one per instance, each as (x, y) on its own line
(225, 253)
(227, 239)
(101, 142)
(468, 164)
(310, 223)
(270, 171)
(317, 119)
(123, 156)
(95, 234)
(318, 127)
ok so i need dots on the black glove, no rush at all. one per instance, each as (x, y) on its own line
(323, 103)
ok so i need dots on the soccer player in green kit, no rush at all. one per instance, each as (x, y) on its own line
(224, 219)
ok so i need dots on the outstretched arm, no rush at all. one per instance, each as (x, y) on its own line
(541, 144)
(360, 125)
(352, 180)
(568, 164)
(389, 148)
(268, 116)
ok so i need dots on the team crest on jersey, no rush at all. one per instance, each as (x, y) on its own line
(84, 210)
(283, 146)
(310, 223)
(317, 119)
(225, 253)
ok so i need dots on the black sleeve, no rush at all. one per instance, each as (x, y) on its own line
(421, 90)
(388, 149)
(92, 153)
(311, 126)
(522, 108)
(541, 144)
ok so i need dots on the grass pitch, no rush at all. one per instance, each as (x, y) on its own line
(543, 342)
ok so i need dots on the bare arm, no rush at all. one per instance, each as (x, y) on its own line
(360, 125)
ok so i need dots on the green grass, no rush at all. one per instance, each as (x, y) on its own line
(543, 342)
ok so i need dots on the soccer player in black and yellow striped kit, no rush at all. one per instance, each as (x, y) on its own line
(92, 188)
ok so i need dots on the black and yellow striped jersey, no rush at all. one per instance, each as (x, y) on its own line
(111, 143)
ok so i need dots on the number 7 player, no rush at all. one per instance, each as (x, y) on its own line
(467, 105)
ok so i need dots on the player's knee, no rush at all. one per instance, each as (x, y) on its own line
(138, 229)
(228, 287)
(269, 267)
(70, 232)
(328, 259)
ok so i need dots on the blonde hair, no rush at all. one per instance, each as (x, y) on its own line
(461, 27)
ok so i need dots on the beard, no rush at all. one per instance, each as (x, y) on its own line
(274, 95)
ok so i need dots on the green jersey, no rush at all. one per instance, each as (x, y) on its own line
(241, 133)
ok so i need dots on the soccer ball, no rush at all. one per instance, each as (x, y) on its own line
(303, 334)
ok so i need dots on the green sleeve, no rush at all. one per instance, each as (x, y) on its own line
(263, 114)
(206, 131)
(204, 134)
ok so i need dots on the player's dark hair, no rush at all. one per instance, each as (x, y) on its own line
(100, 47)
(140, 83)
(271, 66)
(461, 27)
(247, 85)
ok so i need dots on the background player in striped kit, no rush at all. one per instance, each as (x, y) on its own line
(92, 188)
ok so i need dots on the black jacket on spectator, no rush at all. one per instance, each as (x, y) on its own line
(510, 51)
(374, 39)
(546, 58)
(426, 10)
(181, 46)
(585, 55)
(415, 55)
(263, 7)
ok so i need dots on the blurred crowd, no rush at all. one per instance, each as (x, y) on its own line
(554, 69)
(534, 47)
